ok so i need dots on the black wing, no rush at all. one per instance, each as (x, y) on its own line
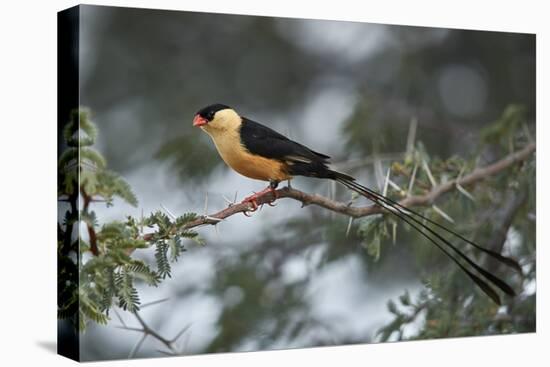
(263, 141)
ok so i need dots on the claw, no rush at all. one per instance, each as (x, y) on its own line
(275, 197)
(253, 199)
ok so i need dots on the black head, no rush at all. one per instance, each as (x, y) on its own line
(208, 112)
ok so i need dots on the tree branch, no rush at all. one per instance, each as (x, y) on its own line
(502, 222)
(357, 212)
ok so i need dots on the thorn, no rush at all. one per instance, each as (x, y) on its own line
(349, 226)
(395, 186)
(461, 173)
(206, 203)
(377, 170)
(185, 328)
(428, 172)
(141, 224)
(155, 302)
(168, 211)
(413, 177)
(464, 192)
(386, 181)
(217, 220)
(137, 346)
(442, 213)
(527, 133)
(119, 317)
(226, 199)
(129, 328)
(462, 189)
(411, 136)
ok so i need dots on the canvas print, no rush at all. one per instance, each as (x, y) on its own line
(232, 183)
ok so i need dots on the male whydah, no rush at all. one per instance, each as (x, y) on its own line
(260, 153)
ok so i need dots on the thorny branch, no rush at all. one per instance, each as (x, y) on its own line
(344, 208)
(356, 212)
(148, 331)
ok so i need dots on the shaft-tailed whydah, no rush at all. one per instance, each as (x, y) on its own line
(260, 153)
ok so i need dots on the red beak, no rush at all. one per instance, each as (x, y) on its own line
(199, 120)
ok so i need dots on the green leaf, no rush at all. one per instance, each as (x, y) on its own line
(186, 218)
(87, 126)
(69, 155)
(176, 248)
(110, 184)
(368, 224)
(405, 299)
(392, 307)
(126, 292)
(373, 248)
(91, 310)
(93, 157)
(510, 120)
(70, 132)
(161, 257)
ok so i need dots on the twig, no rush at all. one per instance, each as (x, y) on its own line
(503, 221)
(137, 346)
(344, 208)
(143, 305)
(147, 331)
(91, 231)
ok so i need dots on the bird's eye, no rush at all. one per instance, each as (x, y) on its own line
(210, 115)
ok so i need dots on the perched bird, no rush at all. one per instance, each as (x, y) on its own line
(260, 153)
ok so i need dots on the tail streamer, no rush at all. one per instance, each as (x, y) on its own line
(412, 218)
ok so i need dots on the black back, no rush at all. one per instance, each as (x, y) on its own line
(263, 141)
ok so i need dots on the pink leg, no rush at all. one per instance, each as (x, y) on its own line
(253, 199)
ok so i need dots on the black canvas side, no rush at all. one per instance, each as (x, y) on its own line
(68, 24)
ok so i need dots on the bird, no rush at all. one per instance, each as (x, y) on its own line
(259, 152)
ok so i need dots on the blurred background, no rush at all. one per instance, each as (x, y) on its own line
(289, 276)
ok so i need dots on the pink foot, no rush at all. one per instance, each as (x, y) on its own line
(253, 199)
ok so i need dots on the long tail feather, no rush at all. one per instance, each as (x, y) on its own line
(505, 260)
(408, 216)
